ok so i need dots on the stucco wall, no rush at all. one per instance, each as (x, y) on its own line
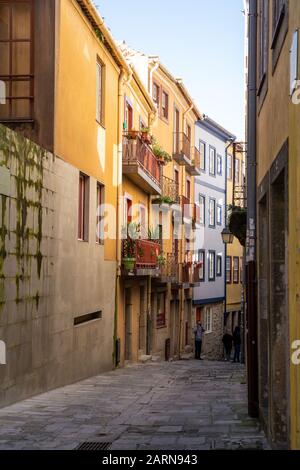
(48, 277)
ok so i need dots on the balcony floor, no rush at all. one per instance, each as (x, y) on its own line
(139, 177)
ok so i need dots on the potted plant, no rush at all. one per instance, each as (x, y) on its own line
(145, 134)
(238, 223)
(130, 234)
(161, 260)
(132, 134)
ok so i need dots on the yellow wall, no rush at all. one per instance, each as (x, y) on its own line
(294, 241)
(79, 139)
(234, 291)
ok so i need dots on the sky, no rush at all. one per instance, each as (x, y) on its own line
(200, 41)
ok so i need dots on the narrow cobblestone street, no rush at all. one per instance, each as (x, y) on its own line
(189, 405)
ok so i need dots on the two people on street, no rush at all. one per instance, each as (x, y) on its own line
(198, 332)
(232, 340)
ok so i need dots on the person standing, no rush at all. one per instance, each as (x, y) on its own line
(227, 342)
(237, 344)
(198, 332)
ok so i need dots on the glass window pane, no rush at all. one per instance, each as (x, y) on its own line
(21, 58)
(4, 22)
(21, 109)
(4, 62)
(21, 21)
(20, 89)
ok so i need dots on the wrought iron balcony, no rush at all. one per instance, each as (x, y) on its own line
(170, 190)
(141, 165)
(170, 271)
(194, 167)
(144, 258)
(182, 149)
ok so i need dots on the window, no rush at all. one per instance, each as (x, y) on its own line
(128, 123)
(211, 266)
(202, 149)
(278, 13)
(201, 259)
(156, 94)
(100, 92)
(100, 214)
(212, 161)
(228, 269)
(241, 271)
(294, 62)
(188, 189)
(219, 266)
(16, 59)
(212, 213)
(202, 209)
(219, 215)
(208, 326)
(161, 311)
(236, 269)
(229, 167)
(219, 165)
(83, 207)
(263, 38)
(165, 105)
(237, 171)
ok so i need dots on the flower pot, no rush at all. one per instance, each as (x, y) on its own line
(129, 263)
(146, 138)
(133, 134)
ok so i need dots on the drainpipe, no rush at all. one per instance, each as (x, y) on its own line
(153, 67)
(123, 79)
(251, 267)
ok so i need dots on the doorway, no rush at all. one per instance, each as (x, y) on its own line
(128, 325)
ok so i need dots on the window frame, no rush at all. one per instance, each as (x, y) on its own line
(211, 148)
(219, 263)
(201, 259)
(165, 109)
(202, 197)
(208, 325)
(100, 92)
(228, 271)
(229, 174)
(213, 254)
(211, 199)
(219, 165)
(157, 86)
(100, 197)
(83, 208)
(219, 221)
(13, 78)
(202, 168)
(236, 271)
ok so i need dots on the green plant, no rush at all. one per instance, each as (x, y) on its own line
(161, 260)
(237, 223)
(130, 234)
(153, 234)
(159, 152)
(164, 200)
(145, 130)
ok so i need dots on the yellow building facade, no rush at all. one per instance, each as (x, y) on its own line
(278, 137)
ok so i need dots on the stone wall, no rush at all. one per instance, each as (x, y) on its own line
(47, 276)
(212, 347)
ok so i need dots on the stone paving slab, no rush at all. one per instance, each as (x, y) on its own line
(183, 405)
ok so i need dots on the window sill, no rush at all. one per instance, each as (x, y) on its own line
(82, 241)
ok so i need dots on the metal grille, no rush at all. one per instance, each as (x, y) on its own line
(94, 446)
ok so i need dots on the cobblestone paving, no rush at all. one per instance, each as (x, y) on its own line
(191, 405)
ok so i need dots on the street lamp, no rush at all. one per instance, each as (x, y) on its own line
(227, 236)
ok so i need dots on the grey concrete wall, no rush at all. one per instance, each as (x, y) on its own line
(47, 276)
(212, 347)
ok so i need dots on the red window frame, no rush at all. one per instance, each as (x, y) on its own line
(12, 79)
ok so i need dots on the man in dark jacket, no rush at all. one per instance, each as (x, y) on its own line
(237, 344)
(227, 341)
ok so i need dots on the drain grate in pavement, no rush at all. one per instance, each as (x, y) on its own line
(94, 446)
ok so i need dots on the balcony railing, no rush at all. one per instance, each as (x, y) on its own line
(146, 254)
(140, 163)
(170, 189)
(170, 270)
(182, 148)
(194, 167)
